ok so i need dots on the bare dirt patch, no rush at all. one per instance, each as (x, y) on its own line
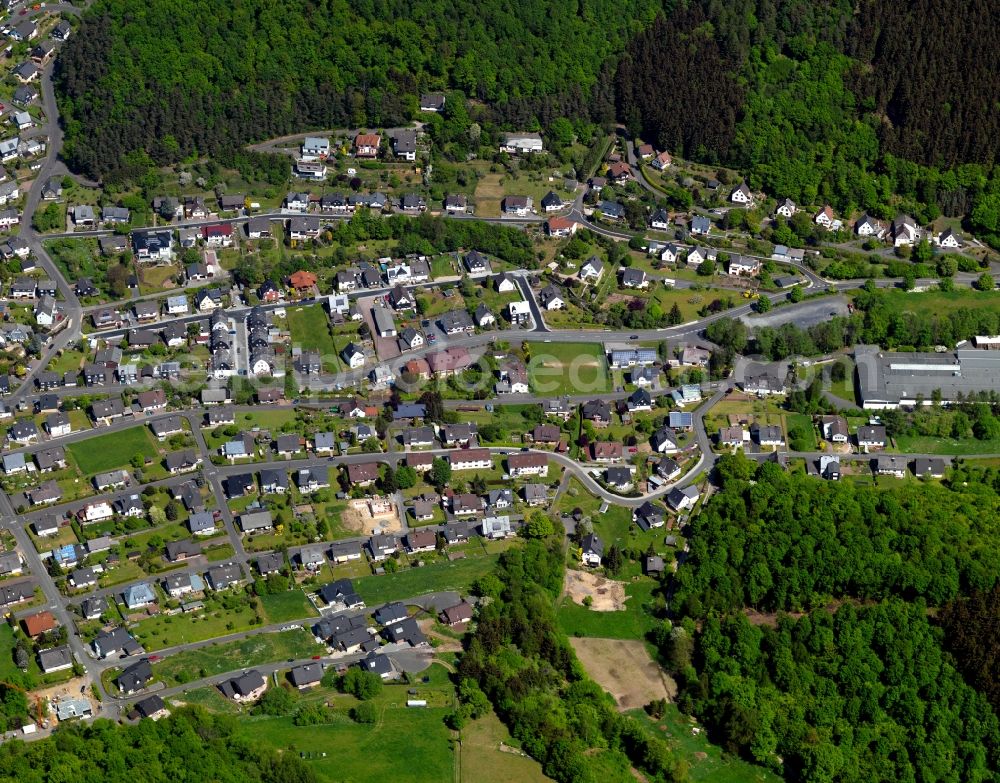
(77, 688)
(606, 594)
(368, 515)
(624, 669)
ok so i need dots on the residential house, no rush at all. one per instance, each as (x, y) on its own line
(662, 161)
(470, 459)
(591, 550)
(928, 467)
(363, 474)
(664, 441)
(552, 202)
(202, 523)
(905, 231)
(527, 464)
(611, 210)
(681, 499)
(743, 266)
(404, 144)
(138, 596)
(767, 434)
(732, 437)
(246, 688)
(620, 478)
(535, 494)
(456, 203)
(366, 145)
(867, 226)
(597, 412)
(476, 263)
(558, 227)
(496, 527)
(421, 541)
(763, 384)
(872, 436)
(465, 504)
(550, 298)
(786, 208)
(700, 226)
(592, 269)
(605, 451)
(256, 521)
(56, 659)
(433, 102)
(835, 429)
(948, 239)
(890, 465)
(521, 143)
(519, 206)
(741, 194)
(224, 576)
(483, 317)
(660, 221)
(619, 172)
(381, 546)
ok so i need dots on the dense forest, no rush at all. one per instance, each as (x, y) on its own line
(790, 542)
(190, 745)
(972, 634)
(828, 102)
(877, 107)
(861, 695)
(524, 663)
(860, 688)
(163, 80)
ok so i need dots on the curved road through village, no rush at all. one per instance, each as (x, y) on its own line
(72, 330)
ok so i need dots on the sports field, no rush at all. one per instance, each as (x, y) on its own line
(568, 368)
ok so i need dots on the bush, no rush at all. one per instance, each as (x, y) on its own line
(364, 713)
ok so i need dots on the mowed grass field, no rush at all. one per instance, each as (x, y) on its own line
(404, 744)
(114, 450)
(310, 328)
(931, 303)
(412, 582)
(568, 368)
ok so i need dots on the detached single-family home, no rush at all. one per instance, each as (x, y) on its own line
(521, 143)
(592, 269)
(786, 208)
(681, 499)
(741, 194)
(591, 550)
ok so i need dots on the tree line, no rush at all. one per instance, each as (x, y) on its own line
(189, 745)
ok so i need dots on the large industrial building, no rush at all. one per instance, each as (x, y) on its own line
(891, 380)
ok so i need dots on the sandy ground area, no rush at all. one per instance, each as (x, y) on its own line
(624, 669)
(358, 517)
(606, 594)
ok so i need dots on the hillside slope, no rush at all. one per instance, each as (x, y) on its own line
(174, 77)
